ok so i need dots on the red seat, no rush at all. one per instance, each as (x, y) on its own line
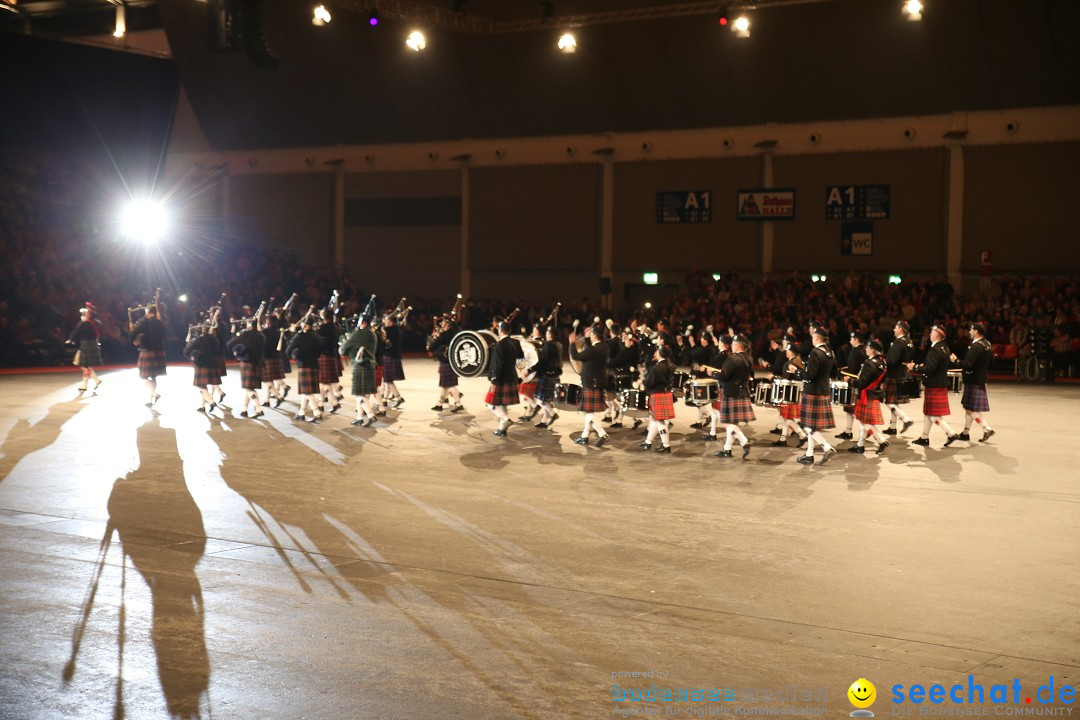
(1010, 352)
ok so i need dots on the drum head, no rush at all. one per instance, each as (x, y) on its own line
(470, 352)
(532, 356)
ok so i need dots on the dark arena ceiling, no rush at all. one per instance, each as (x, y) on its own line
(349, 83)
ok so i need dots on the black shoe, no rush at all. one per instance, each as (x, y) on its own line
(298, 417)
(925, 442)
(907, 424)
(722, 453)
(201, 408)
(437, 408)
(802, 441)
(315, 418)
(746, 449)
(615, 425)
(499, 433)
(776, 431)
(881, 447)
(257, 415)
(243, 413)
(457, 408)
(335, 408)
(552, 420)
(277, 402)
(283, 395)
(381, 413)
(857, 449)
(600, 442)
(606, 418)
(805, 460)
(266, 404)
(964, 436)
(541, 424)
(708, 438)
(645, 446)
(889, 431)
(664, 449)
(782, 442)
(696, 426)
(582, 440)
(845, 436)
(369, 422)
(357, 421)
(398, 402)
(212, 408)
(637, 423)
(987, 435)
(951, 440)
(827, 454)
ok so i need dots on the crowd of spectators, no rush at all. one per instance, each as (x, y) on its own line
(56, 260)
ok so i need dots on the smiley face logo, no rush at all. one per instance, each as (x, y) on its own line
(862, 694)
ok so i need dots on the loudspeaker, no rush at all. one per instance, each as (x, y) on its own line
(605, 286)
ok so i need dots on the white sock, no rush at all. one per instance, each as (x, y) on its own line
(663, 433)
(821, 440)
(982, 421)
(654, 428)
(500, 412)
(850, 422)
(944, 425)
(927, 423)
(862, 436)
(968, 417)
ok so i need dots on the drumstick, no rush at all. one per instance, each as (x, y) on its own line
(845, 372)
(577, 321)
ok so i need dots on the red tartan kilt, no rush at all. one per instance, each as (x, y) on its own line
(736, 410)
(869, 413)
(250, 376)
(975, 399)
(328, 369)
(206, 376)
(816, 411)
(272, 369)
(378, 375)
(935, 402)
(892, 396)
(151, 363)
(307, 380)
(527, 389)
(502, 394)
(592, 400)
(662, 406)
(789, 411)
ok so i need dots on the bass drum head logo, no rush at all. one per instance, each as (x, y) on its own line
(468, 354)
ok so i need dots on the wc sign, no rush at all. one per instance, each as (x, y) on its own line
(857, 238)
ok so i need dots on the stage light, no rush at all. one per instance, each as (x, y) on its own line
(894, 279)
(723, 18)
(416, 41)
(144, 221)
(650, 278)
(741, 26)
(373, 19)
(182, 298)
(320, 16)
(648, 305)
(567, 43)
(913, 9)
(121, 22)
(716, 277)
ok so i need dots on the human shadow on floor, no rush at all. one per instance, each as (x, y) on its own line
(25, 438)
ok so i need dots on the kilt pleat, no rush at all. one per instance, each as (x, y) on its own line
(935, 402)
(734, 410)
(89, 354)
(363, 380)
(868, 412)
(789, 411)
(392, 369)
(250, 375)
(592, 400)
(975, 398)
(307, 380)
(447, 377)
(527, 389)
(272, 369)
(662, 406)
(151, 363)
(206, 376)
(328, 369)
(502, 394)
(892, 394)
(545, 389)
(816, 412)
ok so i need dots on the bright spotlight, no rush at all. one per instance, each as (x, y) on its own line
(648, 305)
(416, 41)
(373, 19)
(567, 43)
(143, 221)
(121, 22)
(320, 16)
(913, 9)
(741, 26)
(183, 298)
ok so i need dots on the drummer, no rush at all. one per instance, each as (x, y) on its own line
(527, 386)
(593, 358)
(789, 411)
(621, 367)
(657, 384)
(548, 369)
(855, 359)
(734, 406)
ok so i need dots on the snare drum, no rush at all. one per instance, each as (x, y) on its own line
(635, 403)
(567, 396)
(702, 391)
(786, 391)
(956, 381)
(618, 383)
(763, 394)
(841, 392)
(678, 381)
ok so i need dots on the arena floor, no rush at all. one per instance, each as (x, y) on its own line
(161, 564)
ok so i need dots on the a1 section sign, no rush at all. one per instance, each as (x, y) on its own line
(857, 202)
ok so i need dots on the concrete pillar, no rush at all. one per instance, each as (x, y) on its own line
(339, 217)
(765, 231)
(607, 222)
(954, 216)
(466, 278)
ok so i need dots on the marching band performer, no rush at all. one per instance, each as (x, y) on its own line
(205, 355)
(306, 348)
(448, 379)
(392, 369)
(88, 350)
(816, 407)
(856, 357)
(149, 336)
(789, 411)
(657, 384)
(935, 372)
(975, 365)
(711, 412)
(901, 353)
(527, 385)
(734, 406)
(623, 362)
(548, 371)
(249, 347)
(360, 347)
(869, 387)
(273, 370)
(504, 378)
(329, 367)
(593, 358)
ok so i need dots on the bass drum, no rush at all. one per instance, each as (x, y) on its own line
(470, 352)
(531, 352)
